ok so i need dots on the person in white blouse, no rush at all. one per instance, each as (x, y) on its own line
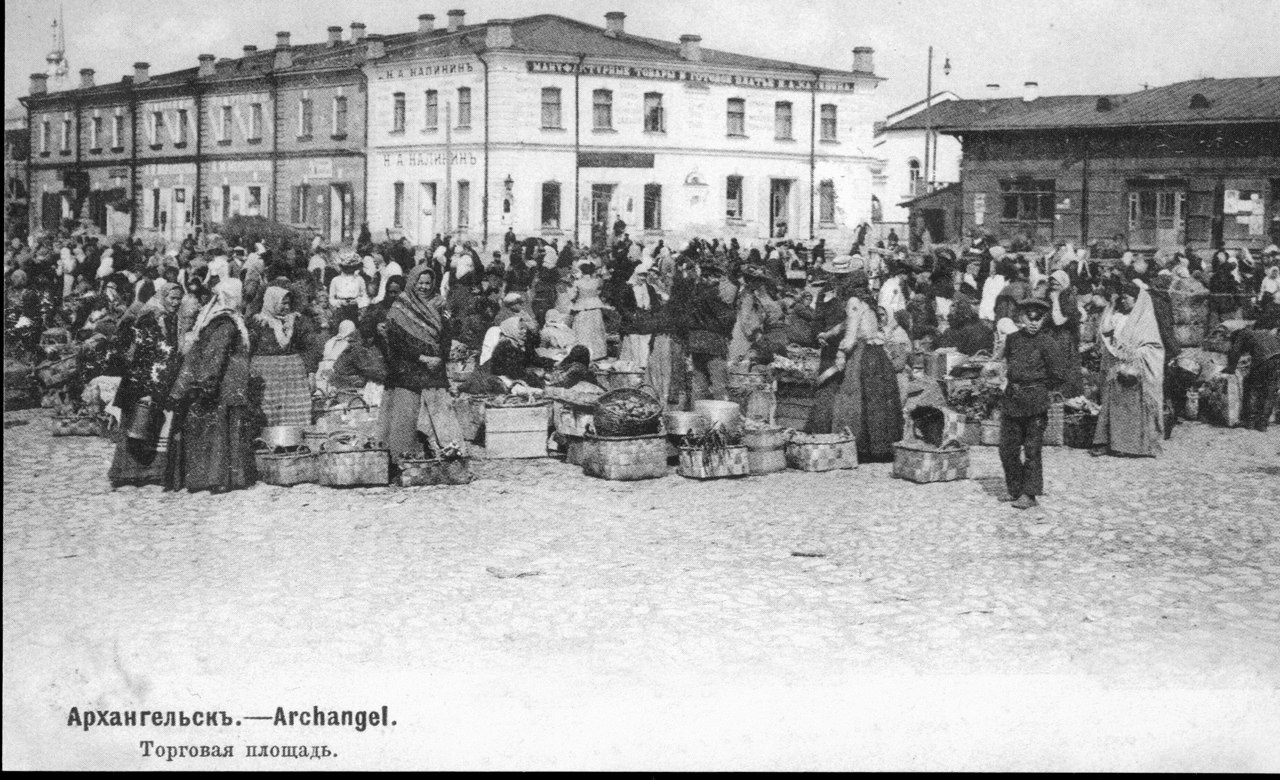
(347, 292)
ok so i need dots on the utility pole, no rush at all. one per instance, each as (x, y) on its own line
(448, 168)
(928, 120)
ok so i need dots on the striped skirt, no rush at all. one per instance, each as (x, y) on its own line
(286, 394)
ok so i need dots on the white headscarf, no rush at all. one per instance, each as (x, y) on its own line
(228, 296)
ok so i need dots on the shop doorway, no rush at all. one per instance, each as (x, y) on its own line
(341, 216)
(1157, 218)
(601, 207)
(779, 207)
(427, 227)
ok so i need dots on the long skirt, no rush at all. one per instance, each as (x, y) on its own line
(659, 374)
(1131, 421)
(141, 462)
(635, 349)
(211, 448)
(286, 394)
(408, 419)
(1069, 345)
(588, 326)
(868, 404)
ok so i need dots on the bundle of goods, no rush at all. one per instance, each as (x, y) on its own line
(355, 415)
(516, 427)
(933, 425)
(85, 422)
(624, 458)
(1190, 311)
(617, 374)
(1079, 419)
(1220, 399)
(348, 459)
(56, 343)
(462, 362)
(756, 392)
(978, 405)
(800, 366)
(766, 447)
(285, 466)
(628, 412)
(450, 467)
(713, 455)
(57, 373)
(822, 451)
(1219, 339)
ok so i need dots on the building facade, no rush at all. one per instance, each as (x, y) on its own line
(555, 128)
(1194, 164)
(17, 150)
(901, 145)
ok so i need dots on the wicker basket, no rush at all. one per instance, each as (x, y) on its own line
(764, 439)
(1077, 429)
(347, 460)
(625, 458)
(697, 463)
(767, 461)
(920, 462)
(822, 452)
(610, 422)
(354, 416)
(285, 468)
(431, 471)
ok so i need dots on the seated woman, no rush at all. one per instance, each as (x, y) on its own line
(966, 333)
(505, 362)
(361, 369)
(575, 369)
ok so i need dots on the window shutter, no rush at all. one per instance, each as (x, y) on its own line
(325, 205)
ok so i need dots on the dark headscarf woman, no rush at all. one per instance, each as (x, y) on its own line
(417, 409)
(966, 332)
(153, 361)
(574, 369)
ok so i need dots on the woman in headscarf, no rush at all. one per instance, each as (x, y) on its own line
(994, 285)
(867, 401)
(1064, 327)
(638, 302)
(574, 369)
(556, 333)
(416, 406)
(210, 447)
(1131, 421)
(588, 322)
(255, 282)
(152, 364)
(1224, 290)
(196, 298)
(282, 344)
(333, 349)
(504, 360)
(361, 364)
(966, 332)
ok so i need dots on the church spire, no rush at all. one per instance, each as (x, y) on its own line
(59, 67)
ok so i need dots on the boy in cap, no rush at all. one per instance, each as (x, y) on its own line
(1036, 367)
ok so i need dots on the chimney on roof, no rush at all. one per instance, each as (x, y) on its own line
(141, 72)
(282, 40)
(357, 32)
(206, 66)
(455, 19)
(426, 22)
(374, 48)
(498, 34)
(1103, 104)
(86, 78)
(691, 48)
(613, 23)
(1030, 91)
(39, 84)
(249, 48)
(335, 35)
(992, 89)
(864, 59)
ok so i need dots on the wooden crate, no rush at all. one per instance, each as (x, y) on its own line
(794, 403)
(516, 431)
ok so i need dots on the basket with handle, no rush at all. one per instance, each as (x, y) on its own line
(822, 451)
(285, 466)
(347, 459)
(355, 415)
(628, 412)
(624, 458)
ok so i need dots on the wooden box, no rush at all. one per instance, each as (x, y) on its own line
(516, 431)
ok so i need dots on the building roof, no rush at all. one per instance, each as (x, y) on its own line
(1201, 101)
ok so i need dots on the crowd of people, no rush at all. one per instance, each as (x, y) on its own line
(214, 341)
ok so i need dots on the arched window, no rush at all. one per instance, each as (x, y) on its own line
(913, 170)
(877, 211)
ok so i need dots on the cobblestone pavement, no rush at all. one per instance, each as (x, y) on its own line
(537, 618)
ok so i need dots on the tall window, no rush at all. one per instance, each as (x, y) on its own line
(254, 206)
(340, 115)
(226, 202)
(464, 205)
(733, 197)
(305, 117)
(1029, 202)
(397, 208)
(827, 202)
(255, 121)
(828, 122)
(432, 110)
(737, 116)
(551, 108)
(653, 207)
(155, 208)
(464, 107)
(913, 170)
(66, 135)
(550, 204)
(227, 123)
(782, 121)
(602, 109)
(182, 125)
(46, 136)
(157, 128)
(397, 112)
(654, 122)
(117, 131)
(95, 133)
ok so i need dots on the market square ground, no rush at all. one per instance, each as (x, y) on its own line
(539, 619)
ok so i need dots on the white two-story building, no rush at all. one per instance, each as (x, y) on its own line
(556, 128)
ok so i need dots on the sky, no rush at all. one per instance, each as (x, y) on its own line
(1068, 46)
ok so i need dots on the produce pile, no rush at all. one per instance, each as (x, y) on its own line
(716, 439)
(627, 412)
(513, 401)
(977, 402)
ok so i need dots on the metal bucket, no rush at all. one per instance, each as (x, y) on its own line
(281, 436)
(727, 413)
(685, 423)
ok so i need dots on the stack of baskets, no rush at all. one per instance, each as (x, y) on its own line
(766, 449)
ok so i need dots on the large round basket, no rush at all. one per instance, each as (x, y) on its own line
(628, 412)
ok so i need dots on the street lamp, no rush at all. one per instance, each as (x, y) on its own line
(929, 162)
(946, 67)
